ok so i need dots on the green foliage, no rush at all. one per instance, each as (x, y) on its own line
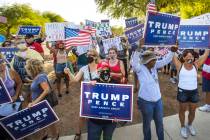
(23, 14)
(52, 17)
(132, 8)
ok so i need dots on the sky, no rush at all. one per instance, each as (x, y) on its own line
(71, 10)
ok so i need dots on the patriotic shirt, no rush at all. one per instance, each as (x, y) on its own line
(206, 69)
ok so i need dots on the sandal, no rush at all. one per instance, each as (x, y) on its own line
(77, 136)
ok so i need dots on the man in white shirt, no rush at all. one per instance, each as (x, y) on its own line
(149, 96)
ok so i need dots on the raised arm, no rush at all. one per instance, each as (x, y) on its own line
(52, 50)
(135, 61)
(177, 63)
(73, 78)
(202, 59)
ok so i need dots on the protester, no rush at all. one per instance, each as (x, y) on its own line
(29, 38)
(206, 85)
(187, 88)
(61, 62)
(39, 88)
(13, 84)
(97, 126)
(149, 96)
(87, 73)
(116, 66)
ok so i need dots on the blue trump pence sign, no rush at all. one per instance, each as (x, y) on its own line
(135, 34)
(34, 30)
(4, 94)
(106, 101)
(131, 22)
(194, 36)
(161, 29)
(8, 52)
(29, 121)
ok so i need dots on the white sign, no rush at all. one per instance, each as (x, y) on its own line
(199, 20)
(83, 49)
(112, 42)
(103, 29)
(54, 31)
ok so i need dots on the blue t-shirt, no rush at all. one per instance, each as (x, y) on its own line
(35, 86)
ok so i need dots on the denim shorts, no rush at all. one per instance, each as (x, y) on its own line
(185, 96)
(60, 68)
(205, 85)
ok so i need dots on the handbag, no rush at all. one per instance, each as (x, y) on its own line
(51, 97)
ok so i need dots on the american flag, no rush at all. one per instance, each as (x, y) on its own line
(161, 52)
(90, 29)
(77, 37)
(151, 7)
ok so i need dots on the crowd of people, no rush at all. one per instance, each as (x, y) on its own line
(25, 77)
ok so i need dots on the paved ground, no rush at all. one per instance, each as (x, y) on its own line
(171, 127)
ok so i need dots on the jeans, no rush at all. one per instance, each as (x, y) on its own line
(95, 130)
(150, 111)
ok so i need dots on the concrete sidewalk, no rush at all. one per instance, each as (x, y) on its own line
(171, 128)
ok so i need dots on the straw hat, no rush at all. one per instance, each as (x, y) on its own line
(147, 56)
(28, 53)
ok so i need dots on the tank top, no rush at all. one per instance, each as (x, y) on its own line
(9, 83)
(61, 57)
(115, 69)
(188, 78)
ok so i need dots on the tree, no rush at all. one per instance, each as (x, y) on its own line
(52, 17)
(132, 8)
(23, 14)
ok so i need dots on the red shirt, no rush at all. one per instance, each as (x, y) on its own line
(37, 47)
(206, 68)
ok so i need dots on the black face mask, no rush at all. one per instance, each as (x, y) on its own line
(90, 59)
(105, 75)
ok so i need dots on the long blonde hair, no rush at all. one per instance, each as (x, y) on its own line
(34, 67)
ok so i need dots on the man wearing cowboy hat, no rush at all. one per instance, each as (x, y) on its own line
(149, 96)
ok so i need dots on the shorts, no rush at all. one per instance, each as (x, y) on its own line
(205, 85)
(185, 96)
(60, 68)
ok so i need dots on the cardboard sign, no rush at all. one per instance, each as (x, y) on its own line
(194, 36)
(112, 42)
(131, 22)
(55, 31)
(8, 52)
(103, 29)
(34, 30)
(135, 34)
(29, 121)
(161, 29)
(4, 94)
(106, 101)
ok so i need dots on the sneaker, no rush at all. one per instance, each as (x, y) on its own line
(173, 80)
(192, 130)
(184, 132)
(205, 108)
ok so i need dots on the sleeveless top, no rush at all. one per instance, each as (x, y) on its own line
(188, 78)
(206, 69)
(9, 83)
(61, 58)
(115, 69)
